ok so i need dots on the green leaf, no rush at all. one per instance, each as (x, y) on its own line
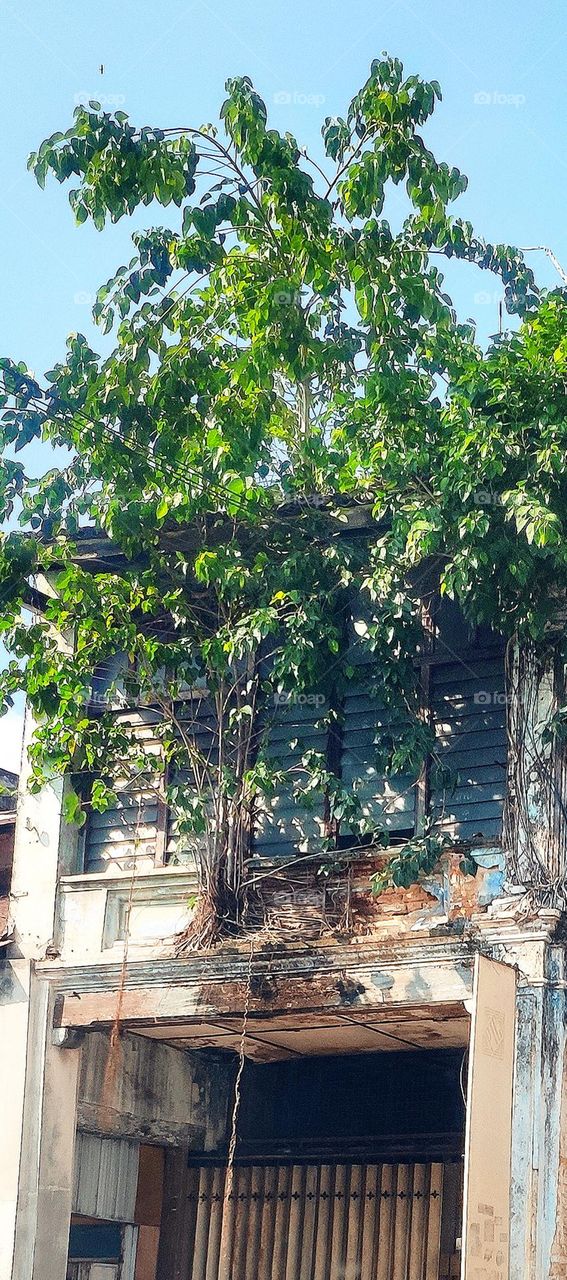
(73, 811)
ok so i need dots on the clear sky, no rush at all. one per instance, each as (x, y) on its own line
(502, 68)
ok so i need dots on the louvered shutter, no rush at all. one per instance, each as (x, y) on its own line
(468, 702)
(129, 829)
(125, 832)
(388, 800)
(197, 719)
(283, 827)
(469, 716)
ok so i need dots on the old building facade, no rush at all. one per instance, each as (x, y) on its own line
(382, 1075)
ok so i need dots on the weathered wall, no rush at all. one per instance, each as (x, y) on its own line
(150, 1091)
(92, 909)
(45, 1120)
(44, 848)
(443, 898)
(14, 994)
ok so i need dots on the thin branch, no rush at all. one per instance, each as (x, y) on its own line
(541, 248)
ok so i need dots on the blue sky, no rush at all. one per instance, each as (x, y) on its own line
(502, 68)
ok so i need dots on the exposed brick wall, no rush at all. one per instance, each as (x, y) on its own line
(303, 904)
(445, 897)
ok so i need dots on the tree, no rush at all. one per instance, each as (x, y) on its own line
(283, 353)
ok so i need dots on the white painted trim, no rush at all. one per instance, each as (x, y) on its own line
(130, 1249)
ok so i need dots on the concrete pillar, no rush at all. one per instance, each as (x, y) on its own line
(14, 1011)
(38, 1081)
(540, 1050)
(45, 1118)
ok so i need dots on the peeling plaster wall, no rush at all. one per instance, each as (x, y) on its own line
(539, 1147)
(91, 909)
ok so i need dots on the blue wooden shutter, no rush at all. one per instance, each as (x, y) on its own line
(283, 827)
(468, 704)
(198, 719)
(388, 800)
(469, 716)
(129, 829)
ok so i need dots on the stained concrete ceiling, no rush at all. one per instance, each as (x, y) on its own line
(296, 1035)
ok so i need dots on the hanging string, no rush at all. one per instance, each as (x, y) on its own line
(116, 1024)
(238, 1081)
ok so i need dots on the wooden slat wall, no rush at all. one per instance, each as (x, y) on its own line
(318, 1222)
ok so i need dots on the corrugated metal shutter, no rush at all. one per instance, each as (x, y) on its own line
(469, 716)
(283, 826)
(317, 1222)
(106, 1177)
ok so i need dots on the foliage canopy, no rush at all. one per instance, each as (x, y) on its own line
(282, 353)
